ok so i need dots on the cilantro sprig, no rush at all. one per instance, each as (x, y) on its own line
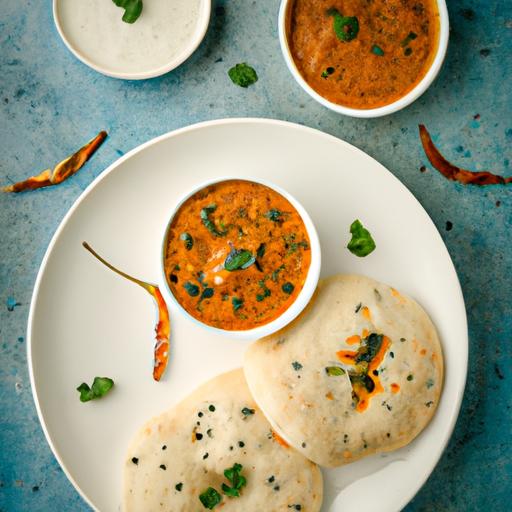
(243, 75)
(132, 9)
(346, 28)
(100, 387)
(236, 479)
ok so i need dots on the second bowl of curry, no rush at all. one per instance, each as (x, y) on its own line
(364, 58)
(240, 257)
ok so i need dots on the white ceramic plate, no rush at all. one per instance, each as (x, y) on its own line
(86, 321)
(166, 33)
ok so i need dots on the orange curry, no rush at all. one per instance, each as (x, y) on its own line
(363, 53)
(237, 255)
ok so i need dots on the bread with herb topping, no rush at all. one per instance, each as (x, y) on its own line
(359, 372)
(216, 449)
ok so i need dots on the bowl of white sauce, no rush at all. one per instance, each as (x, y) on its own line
(164, 35)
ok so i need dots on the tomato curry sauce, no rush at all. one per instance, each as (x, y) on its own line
(363, 53)
(237, 255)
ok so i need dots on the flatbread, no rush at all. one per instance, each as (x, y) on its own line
(179, 454)
(313, 389)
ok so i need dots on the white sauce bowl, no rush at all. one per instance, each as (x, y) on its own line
(165, 35)
(302, 299)
(412, 95)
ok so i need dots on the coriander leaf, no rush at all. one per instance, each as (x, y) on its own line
(208, 222)
(238, 259)
(192, 289)
(288, 288)
(410, 37)
(275, 215)
(247, 412)
(297, 366)
(334, 371)
(207, 293)
(210, 498)
(243, 75)
(189, 241)
(132, 9)
(261, 250)
(100, 387)
(345, 27)
(236, 479)
(377, 50)
(362, 242)
(237, 303)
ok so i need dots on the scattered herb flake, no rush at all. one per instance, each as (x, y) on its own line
(243, 75)
(100, 387)
(377, 50)
(238, 259)
(208, 222)
(275, 215)
(361, 243)
(410, 377)
(247, 412)
(297, 366)
(179, 486)
(411, 37)
(327, 72)
(207, 293)
(430, 383)
(408, 51)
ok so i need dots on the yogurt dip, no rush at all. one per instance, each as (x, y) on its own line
(164, 35)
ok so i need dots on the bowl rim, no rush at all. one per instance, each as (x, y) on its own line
(194, 42)
(304, 295)
(404, 101)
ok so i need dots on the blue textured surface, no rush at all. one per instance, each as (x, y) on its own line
(50, 104)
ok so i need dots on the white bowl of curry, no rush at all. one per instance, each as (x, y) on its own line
(240, 257)
(364, 58)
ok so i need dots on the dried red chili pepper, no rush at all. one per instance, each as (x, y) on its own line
(62, 171)
(454, 173)
(163, 327)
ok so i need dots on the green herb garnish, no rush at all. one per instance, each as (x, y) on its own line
(346, 28)
(334, 371)
(238, 259)
(362, 242)
(297, 366)
(275, 273)
(247, 412)
(377, 50)
(369, 348)
(188, 240)
(288, 288)
(327, 71)
(132, 9)
(236, 479)
(207, 293)
(265, 291)
(408, 51)
(179, 486)
(210, 498)
(410, 37)
(208, 223)
(243, 75)
(410, 377)
(261, 250)
(237, 303)
(192, 289)
(275, 215)
(100, 387)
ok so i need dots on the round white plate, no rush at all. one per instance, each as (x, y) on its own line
(166, 33)
(86, 321)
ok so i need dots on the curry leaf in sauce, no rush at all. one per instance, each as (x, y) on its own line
(237, 303)
(377, 50)
(208, 222)
(362, 242)
(192, 289)
(288, 288)
(239, 259)
(345, 27)
(188, 240)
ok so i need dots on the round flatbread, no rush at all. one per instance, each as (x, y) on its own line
(184, 453)
(359, 372)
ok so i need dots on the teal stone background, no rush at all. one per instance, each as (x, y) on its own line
(50, 104)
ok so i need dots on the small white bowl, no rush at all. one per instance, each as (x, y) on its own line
(412, 95)
(305, 294)
(103, 55)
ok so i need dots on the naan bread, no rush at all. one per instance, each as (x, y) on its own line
(359, 372)
(178, 455)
